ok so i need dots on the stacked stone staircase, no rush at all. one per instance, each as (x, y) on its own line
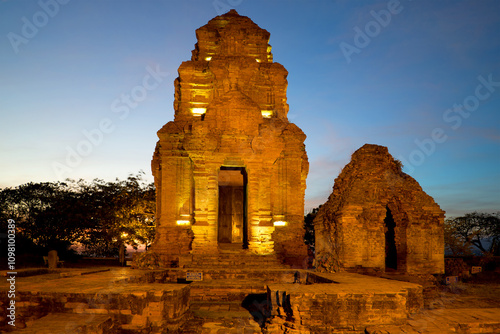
(230, 256)
(230, 297)
(233, 261)
(225, 306)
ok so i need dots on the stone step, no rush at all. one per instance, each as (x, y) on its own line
(229, 291)
(239, 264)
(225, 326)
(243, 262)
(235, 255)
(59, 323)
(221, 317)
(219, 310)
(236, 259)
(229, 273)
(217, 328)
(231, 260)
(224, 266)
(234, 265)
(238, 276)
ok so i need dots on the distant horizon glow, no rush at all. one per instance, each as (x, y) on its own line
(86, 85)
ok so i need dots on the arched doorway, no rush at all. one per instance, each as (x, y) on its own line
(232, 215)
(391, 253)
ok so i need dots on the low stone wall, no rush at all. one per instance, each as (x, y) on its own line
(348, 306)
(320, 313)
(136, 309)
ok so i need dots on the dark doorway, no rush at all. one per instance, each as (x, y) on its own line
(391, 254)
(232, 225)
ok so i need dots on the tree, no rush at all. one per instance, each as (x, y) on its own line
(37, 209)
(39, 212)
(120, 212)
(100, 216)
(481, 230)
(309, 237)
(454, 242)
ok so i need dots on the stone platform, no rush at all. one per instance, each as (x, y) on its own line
(90, 294)
(462, 321)
(351, 302)
(121, 300)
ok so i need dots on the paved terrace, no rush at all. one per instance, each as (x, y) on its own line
(92, 297)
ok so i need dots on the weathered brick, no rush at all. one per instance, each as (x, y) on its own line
(379, 217)
(230, 111)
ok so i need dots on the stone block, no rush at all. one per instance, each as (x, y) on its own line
(53, 259)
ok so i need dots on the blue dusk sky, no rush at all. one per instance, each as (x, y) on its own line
(420, 77)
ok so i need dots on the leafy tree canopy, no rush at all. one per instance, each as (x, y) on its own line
(98, 215)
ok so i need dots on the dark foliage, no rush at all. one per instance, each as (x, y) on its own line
(309, 239)
(98, 216)
(481, 230)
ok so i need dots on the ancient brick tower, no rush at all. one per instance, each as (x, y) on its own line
(230, 169)
(379, 217)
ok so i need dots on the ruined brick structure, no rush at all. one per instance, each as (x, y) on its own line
(379, 217)
(230, 168)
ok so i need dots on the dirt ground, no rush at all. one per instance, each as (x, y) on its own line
(480, 291)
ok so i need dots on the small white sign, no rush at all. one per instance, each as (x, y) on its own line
(451, 280)
(475, 270)
(194, 276)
